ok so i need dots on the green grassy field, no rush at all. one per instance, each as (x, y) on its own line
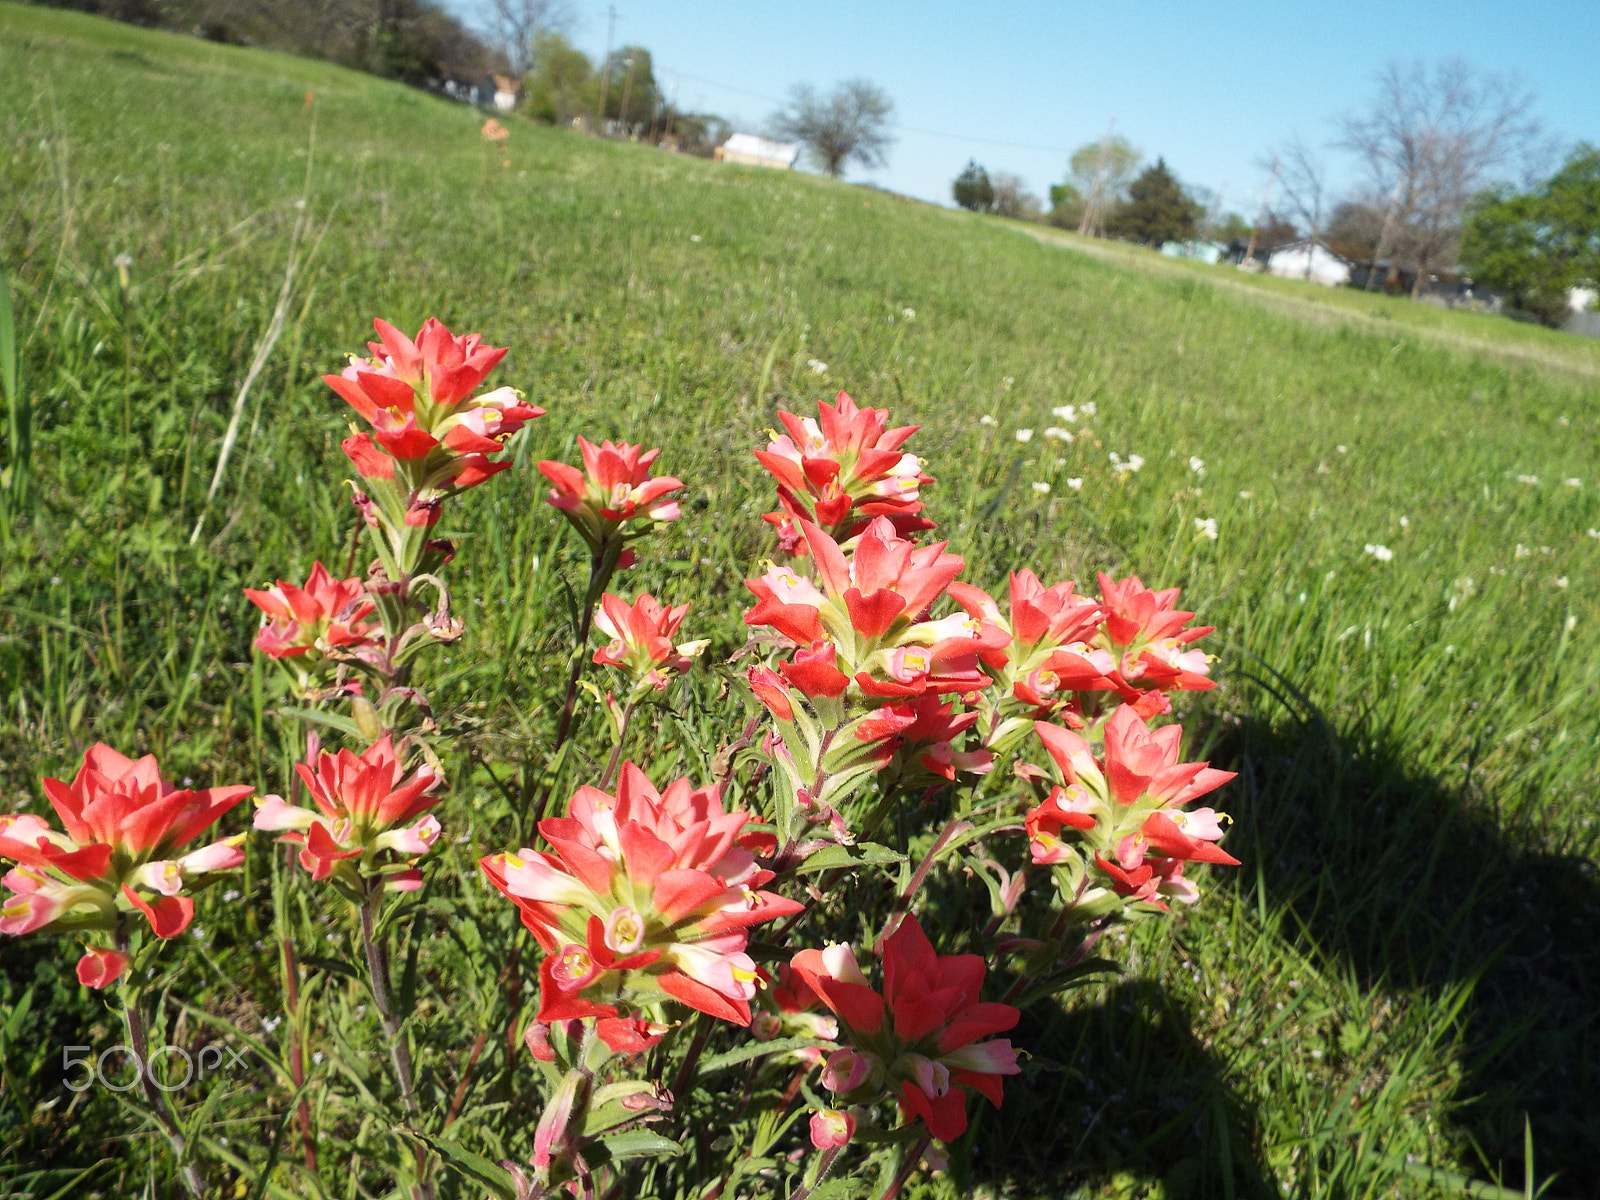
(1405, 973)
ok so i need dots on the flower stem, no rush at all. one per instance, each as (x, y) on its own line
(297, 1066)
(616, 751)
(906, 1167)
(194, 1181)
(394, 1032)
(824, 1165)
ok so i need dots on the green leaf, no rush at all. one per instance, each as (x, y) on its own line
(866, 854)
(474, 1166)
(640, 1143)
(333, 720)
(749, 1050)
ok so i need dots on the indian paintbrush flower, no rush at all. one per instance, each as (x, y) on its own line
(614, 498)
(123, 850)
(324, 616)
(842, 469)
(640, 640)
(643, 895)
(919, 1038)
(1126, 811)
(359, 828)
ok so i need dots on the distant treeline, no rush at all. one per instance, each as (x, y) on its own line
(411, 40)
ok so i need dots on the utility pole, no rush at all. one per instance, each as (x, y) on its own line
(1091, 206)
(1249, 251)
(627, 84)
(1382, 247)
(605, 68)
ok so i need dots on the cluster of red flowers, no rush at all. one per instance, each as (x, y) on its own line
(876, 660)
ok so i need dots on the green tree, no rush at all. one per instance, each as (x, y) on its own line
(561, 83)
(1157, 209)
(1536, 245)
(1100, 172)
(972, 189)
(631, 94)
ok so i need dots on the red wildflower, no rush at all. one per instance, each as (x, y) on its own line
(929, 1047)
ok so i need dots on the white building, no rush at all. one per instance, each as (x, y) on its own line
(507, 91)
(1326, 267)
(755, 151)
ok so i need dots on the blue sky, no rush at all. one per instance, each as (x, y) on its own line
(1210, 87)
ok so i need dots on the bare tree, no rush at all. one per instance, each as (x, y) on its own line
(516, 23)
(1430, 140)
(1305, 190)
(851, 124)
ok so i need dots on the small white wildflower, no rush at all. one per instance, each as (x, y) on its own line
(1594, 533)
(1405, 522)
(316, 1056)
(1341, 449)
(1089, 409)
(231, 894)
(1061, 462)
(909, 314)
(1381, 553)
(1322, 468)
(1521, 551)
(1197, 465)
(1527, 479)
(1008, 381)
(1570, 623)
(1042, 488)
(694, 237)
(122, 261)
(1058, 434)
(55, 580)
(818, 367)
(1246, 495)
(1573, 482)
(1206, 528)
(1133, 463)
(1024, 435)
(1067, 412)
(986, 419)
(1562, 582)
(1075, 484)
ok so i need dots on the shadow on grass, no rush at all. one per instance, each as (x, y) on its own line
(1411, 884)
(1419, 885)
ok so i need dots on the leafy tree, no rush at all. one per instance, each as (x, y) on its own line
(1230, 227)
(631, 94)
(1066, 206)
(851, 124)
(1100, 172)
(1354, 231)
(1157, 209)
(561, 83)
(1536, 245)
(972, 189)
(1011, 199)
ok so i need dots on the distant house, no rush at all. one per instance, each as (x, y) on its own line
(1582, 314)
(755, 151)
(1207, 252)
(1326, 267)
(507, 92)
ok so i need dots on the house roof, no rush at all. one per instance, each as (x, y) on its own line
(760, 147)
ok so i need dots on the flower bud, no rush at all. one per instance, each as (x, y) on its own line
(831, 1129)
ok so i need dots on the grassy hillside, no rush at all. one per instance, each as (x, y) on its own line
(1404, 971)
